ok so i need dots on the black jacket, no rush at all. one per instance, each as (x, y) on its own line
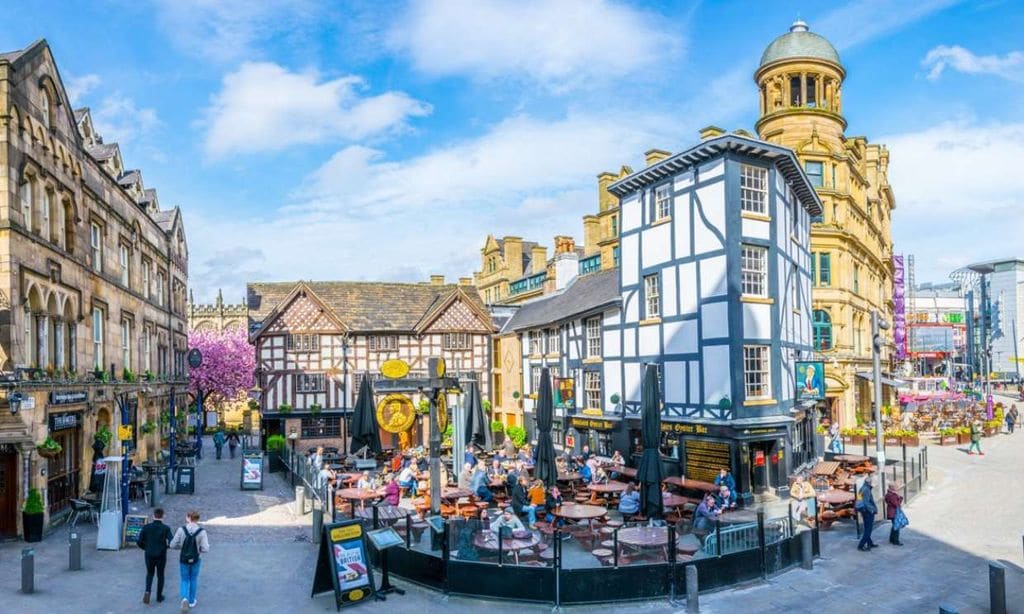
(519, 498)
(154, 538)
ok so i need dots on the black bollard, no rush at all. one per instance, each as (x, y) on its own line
(318, 523)
(806, 550)
(692, 589)
(28, 571)
(996, 588)
(74, 552)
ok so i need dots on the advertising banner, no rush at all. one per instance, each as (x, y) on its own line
(899, 309)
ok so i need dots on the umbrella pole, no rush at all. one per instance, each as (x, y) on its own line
(435, 456)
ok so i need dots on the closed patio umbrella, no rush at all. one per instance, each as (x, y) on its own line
(365, 432)
(478, 430)
(545, 468)
(649, 473)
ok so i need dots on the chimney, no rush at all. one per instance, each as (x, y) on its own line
(514, 256)
(565, 265)
(710, 132)
(465, 281)
(653, 156)
(591, 234)
(742, 132)
(437, 280)
(564, 245)
(538, 259)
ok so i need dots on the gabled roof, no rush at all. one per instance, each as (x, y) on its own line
(14, 56)
(441, 303)
(583, 295)
(130, 178)
(368, 306)
(165, 219)
(81, 113)
(103, 151)
(299, 290)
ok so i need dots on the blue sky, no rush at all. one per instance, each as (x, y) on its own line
(376, 140)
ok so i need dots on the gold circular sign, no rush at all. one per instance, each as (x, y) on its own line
(442, 412)
(395, 413)
(394, 368)
(441, 368)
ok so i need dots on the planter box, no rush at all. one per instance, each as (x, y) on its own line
(947, 440)
(892, 441)
(274, 464)
(963, 438)
(988, 432)
(857, 439)
(33, 525)
(911, 441)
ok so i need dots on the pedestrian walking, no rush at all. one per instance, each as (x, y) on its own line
(1011, 418)
(232, 443)
(975, 439)
(894, 512)
(218, 442)
(154, 539)
(867, 508)
(193, 542)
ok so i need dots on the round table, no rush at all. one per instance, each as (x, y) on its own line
(610, 487)
(362, 495)
(836, 497)
(682, 482)
(385, 513)
(675, 500)
(488, 540)
(622, 470)
(644, 537)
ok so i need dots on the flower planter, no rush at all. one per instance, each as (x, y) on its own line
(963, 438)
(892, 441)
(947, 440)
(988, 431)
(33, 527)
(858, 439)
(276, 464)
(48, 453)
(911, 441)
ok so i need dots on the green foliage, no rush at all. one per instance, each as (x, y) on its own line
(315, 408)
(487, 406)
(165, 418)
(497, 426)
(515, 395)
(518, 435)
(104, 434)
(424, 407)
(254, 405)
(615, 398)
(147, 427)
(34, 502)
(950, 431)
(50, 446)
(276, 443)
(149, 375)
(855, 432)
(128, 376)
(284, 408)
(448, 432)
(822, 429)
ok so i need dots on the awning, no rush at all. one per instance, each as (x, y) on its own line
(886, 379)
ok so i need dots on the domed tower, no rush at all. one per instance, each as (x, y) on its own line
(800, 81)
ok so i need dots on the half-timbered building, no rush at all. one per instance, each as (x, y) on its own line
(315, 341)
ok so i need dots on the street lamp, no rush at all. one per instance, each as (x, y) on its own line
(878, 324)
(14, 401)
(986, 351)
(293, 435)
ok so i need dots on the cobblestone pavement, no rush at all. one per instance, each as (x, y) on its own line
(261, 559)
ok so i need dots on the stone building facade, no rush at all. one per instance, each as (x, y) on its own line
(218, 316)
(93, 278)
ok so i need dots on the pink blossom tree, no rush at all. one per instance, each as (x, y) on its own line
(229, 362)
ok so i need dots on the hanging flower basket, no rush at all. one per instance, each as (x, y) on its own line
(49, 449)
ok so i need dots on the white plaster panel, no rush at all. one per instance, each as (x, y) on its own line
(612, 344)
(757, 321)
(650, 341)
(675, 382)
(657, 245)
(712, 277)
(629, 343)
(693, 391)
(630, 208)
(631, 387)
(715, 317)
(612, 379)
(711, 169)
(668, 292)
(681, 337)
(628, 259)
(757, 229)
(612, 317)
(682, 181)
(710, 202)
(716, 367)
(631, 302)
(688, 288)
(574, 351)
(681, 223)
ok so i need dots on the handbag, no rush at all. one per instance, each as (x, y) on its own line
(900, 519)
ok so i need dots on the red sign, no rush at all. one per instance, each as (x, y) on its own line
(759, 458)
(570, 441)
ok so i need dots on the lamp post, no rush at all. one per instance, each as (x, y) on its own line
(878, 324)
(293, 435)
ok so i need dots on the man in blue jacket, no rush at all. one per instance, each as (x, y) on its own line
(154, 539)
(866, 506)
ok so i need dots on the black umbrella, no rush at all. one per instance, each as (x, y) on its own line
(365, 432)
(649, 472)
(478, 430)
(545, 470)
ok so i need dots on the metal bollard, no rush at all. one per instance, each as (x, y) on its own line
(74, 552)
(996, 588)
(806, 550)
(692, 589)
(300, 500)
(28, 571)
(318, 523)
(153, 490)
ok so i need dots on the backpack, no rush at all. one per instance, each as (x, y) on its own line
(860, 506)
(190, 547)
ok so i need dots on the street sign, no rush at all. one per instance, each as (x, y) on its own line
(124, 432)
(195, 358)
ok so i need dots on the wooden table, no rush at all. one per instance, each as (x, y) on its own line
(385, 513)
(825, 468)
(677, 501)
(362, 495)
(836, 497)
(682, 482)
(609, 488)
(622, 470)
(833, 499)
(853, 459)
(453, 494)
(348, 478)
(570, 478)
(488, 540)
(578, 512)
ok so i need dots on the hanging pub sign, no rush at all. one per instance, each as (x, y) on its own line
(395, 413)
(63, 421)
(394, 368)
(68, 397)
(342, 564)
(565, 392)
(810, 380)
(592, 423)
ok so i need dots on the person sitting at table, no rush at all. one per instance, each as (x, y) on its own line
(629, 502)
(469, 456)
(705, 516)
(525, 455)
(725, 498)
(585, 454)
(507, 520)
(496, 470)
(407, 479)
(552, 500)
(521, 502)
(480, 485)
(512, 478)
(326, 475)
(600, 476)
(422, 464)
(586, 473)
(561, 465)
(364, 480)
(466, 476)
(508, 449)
(537, 495)
(724, 477)
(617, 458)
(803, 493)
(392, 492)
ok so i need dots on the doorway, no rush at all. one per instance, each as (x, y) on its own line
(761, 456)
(8, 494)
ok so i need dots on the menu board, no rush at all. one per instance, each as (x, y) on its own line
(252, 471)
(342, 564)
(704, 459)
(133, 524)
(185, 480)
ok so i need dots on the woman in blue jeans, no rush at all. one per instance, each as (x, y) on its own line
(191, 539)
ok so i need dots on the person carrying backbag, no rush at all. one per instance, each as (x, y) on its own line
(867, 508)
(193, 542)
(894, 512)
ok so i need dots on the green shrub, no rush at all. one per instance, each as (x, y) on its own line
(276, 443)
(487, 406)
(34, 502)
(518, 435)
(448, 432)
(315, 408)
(104, 434)
(284, 408)
(497, 426)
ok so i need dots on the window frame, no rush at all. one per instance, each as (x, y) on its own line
(592, 394)
(652, 295)
(126, 343)
(124, 258)
(553, 340)
(663, 202)
(820, 175)
(310, 383)
(753, 281)
(535, 342)
(821, 330)
(98, 346)
(594, 336)
(825, 272)
(456, 342)
(96, 246)
(302, 342)
(754, 189)
(757, 383)
(321, 427)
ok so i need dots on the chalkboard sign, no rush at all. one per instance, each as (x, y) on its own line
(252, 470)
(133, 524)
(185, 481)
(342, 564)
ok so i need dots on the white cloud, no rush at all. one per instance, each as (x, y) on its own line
(958, 190)
(120, 120)
(78, 87)
(860, 21)
(1009, 66)
(560, 44)
(230, 30)
(265, 107)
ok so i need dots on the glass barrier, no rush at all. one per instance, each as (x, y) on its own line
(482, 541)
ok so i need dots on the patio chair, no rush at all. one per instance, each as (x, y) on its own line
(81, 508)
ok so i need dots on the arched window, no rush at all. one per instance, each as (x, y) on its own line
(46, 230)
(822, 330)
(27, 195)
(45, 106)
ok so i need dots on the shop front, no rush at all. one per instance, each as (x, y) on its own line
(603, 435)
(63, 471)
(9, 489)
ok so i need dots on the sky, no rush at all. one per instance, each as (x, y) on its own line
(372, 140)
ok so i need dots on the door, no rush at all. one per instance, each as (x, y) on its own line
(8, 494)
